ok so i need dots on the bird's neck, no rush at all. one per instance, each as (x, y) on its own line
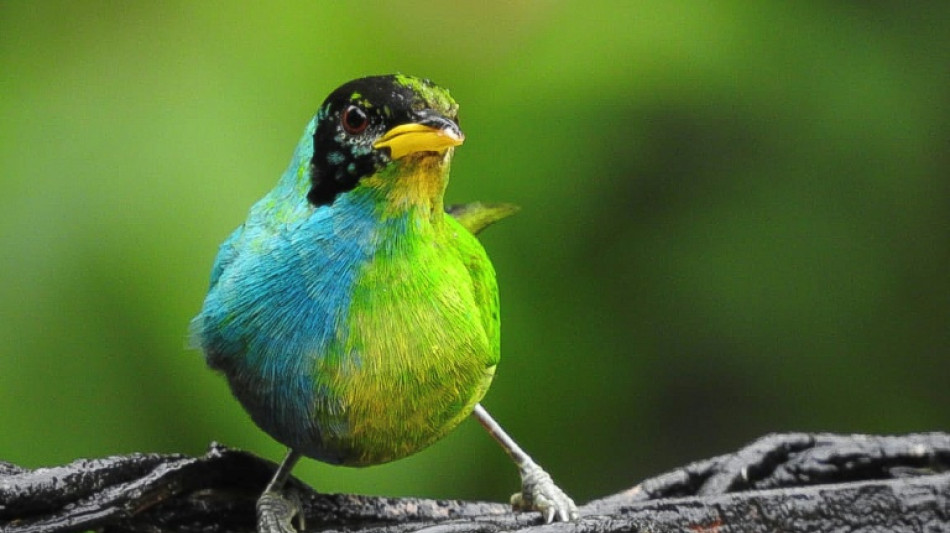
(412, 186)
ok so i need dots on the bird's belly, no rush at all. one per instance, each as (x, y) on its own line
(385, 416)
(383, 396)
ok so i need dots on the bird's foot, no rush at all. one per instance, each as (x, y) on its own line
(539, 493)
(276, 512)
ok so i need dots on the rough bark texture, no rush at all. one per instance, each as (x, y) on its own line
(787, 482)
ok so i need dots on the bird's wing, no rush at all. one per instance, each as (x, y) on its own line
(484, 285)
(226, 253)
(476, 216)
(278, 212)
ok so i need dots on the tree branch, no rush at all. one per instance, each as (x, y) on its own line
(788, 482)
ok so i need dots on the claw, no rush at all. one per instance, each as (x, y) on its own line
(275, 513)
(539, 493)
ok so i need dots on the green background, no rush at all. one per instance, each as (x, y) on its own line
(736, 219)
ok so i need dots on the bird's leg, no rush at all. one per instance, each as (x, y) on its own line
(538, 491)
(274, 511)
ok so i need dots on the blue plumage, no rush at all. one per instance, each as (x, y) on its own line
(290, 269)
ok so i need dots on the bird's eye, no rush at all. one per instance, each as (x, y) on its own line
(355, 120)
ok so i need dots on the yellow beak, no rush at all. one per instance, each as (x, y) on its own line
(410, 138)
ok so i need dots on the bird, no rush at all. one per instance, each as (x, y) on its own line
(354, 315)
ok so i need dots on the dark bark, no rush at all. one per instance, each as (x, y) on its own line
(788, 482)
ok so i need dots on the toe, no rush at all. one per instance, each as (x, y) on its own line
(275, 513)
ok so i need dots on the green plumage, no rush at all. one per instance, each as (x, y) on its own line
(422, 341)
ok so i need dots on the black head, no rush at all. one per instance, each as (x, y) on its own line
(355, 117)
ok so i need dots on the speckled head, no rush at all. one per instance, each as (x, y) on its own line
(369, 123)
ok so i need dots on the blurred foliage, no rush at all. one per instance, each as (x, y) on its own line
(735, 219)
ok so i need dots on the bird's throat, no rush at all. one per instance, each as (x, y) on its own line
(416, 183)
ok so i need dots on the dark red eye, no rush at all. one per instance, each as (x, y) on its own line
(355, 120)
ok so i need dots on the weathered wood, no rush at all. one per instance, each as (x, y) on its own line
(787, 482)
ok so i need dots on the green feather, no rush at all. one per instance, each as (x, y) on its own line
(477, 216)
(422, 335)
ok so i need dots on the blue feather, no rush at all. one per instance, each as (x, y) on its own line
(279, 298)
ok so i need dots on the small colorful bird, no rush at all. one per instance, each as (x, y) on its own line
(354, 316)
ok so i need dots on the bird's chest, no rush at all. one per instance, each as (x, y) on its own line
(412, 358)
(412, 317)
(412, 312)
